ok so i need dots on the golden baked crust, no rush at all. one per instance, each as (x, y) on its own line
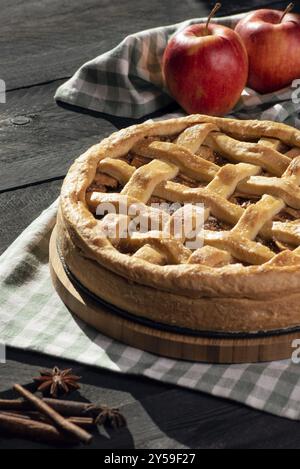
(246, 173)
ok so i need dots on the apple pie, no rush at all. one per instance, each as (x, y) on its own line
(245, 274)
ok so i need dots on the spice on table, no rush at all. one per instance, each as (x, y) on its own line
(111, 417)
(66, 408)
(83, 422)
(48, 420)
(100, 413)
(73, 408)
(57, 381)
(58, 420)
(33, 430)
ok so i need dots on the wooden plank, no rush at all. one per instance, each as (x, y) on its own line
(40, 140)
(45, 146)
(50, 39)
(20, 207)
(159, 416)
(194, 420)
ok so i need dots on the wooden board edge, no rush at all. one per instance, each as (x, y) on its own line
(163, 343)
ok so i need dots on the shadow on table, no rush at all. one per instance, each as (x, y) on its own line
(120, 122)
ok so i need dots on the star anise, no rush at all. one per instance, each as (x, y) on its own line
(110, 417)
(57, 381)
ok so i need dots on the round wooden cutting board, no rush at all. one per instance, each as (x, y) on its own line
(153, 338)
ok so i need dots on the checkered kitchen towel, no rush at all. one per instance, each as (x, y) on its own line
(127, 81)
(33, 317)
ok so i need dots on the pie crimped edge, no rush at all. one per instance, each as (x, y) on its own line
(230, 298)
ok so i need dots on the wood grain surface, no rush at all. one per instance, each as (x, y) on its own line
(48, 39)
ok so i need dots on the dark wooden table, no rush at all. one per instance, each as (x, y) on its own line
(43, 43)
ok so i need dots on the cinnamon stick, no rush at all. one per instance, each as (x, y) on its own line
(13, 404)
(33, 430)
(73, 408)
(66, 408)
(59, 421)
(83, 422)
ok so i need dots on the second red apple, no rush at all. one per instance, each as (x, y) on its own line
(206, 68)
(272, 40)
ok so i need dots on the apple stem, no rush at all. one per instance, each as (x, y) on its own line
(289, 8)
(212, 14)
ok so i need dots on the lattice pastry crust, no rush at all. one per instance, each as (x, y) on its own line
(246, 276)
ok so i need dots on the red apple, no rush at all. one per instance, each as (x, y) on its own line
(272, 40)
(206, 68)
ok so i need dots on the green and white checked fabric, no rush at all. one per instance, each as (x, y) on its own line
(127, 81)
(32, 317)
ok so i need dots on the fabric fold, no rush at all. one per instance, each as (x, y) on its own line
(127, 81)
